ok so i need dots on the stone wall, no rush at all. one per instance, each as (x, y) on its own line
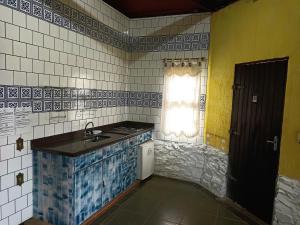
(287, 202)
(200, 164)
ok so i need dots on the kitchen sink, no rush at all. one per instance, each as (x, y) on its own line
(96, 138)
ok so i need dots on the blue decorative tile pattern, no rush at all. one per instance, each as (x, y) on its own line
(46, 99)
(53, 11)
(180, 42)
(202, 102)
(68, 190)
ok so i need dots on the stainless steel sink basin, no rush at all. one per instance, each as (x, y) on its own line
(96, 138)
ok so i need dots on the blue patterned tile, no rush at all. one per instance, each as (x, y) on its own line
(48, 3)
(74, 14)
(88, 31)
(57, 19)
(80, 104)
(2, 90)
(74, 93)
(153, 103)
(25, 92)
(89, 21)
(66, 10)
(87, 104)
(57, 105)
(12, 3)
(66, 105)
(12, 92)
(2, 105)
(47, 93)
(25, 104)
(81, 93)
(100, 103)
(25, 6)
(146, 103)
(95, 24)
(48, 106)
(37, 93)
(38, 1)
(66, 23)
(73, 104)
(87, 93)
(12, 104)
(74, 26)
(48, 15)
(57, 93)
(81, 29)
(202, 102)
(37, 106)
(37, 10)
(139, 103)
(66, 93)
(154, 96)
(57, 6)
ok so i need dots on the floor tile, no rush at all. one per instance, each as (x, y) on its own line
(120, 217)
(199, 219)
(162, 201)
(224, 221)
(226, 213)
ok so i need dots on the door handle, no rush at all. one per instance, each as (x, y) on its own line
(274, 142)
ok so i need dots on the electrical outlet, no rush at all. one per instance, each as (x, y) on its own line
(20, 179)
(20, 144)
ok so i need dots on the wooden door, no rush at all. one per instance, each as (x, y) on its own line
(257, 113)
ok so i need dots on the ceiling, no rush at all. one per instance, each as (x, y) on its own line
(150, 8)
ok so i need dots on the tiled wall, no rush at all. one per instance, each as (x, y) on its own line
(35, 53)
(56, 99)
(42, 52)
(147, 69)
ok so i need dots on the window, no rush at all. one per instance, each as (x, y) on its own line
(181, 101)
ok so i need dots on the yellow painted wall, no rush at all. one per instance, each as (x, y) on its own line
(251, 30)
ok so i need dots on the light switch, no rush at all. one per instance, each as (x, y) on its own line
(299, 138)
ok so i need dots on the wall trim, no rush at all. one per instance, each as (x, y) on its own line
(62, 15)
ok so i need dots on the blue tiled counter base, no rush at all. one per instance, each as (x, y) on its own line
(68, 190)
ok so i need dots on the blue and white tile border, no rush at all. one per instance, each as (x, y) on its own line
(180, 42)
(53, 11)
(48, 99)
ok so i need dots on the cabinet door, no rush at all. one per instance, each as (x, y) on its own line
(112, 178)
(97, 193)
(88, 193)
(129, 175)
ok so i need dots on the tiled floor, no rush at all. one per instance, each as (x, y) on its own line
(161, 201)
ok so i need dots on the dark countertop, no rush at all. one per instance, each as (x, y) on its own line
(75, 144)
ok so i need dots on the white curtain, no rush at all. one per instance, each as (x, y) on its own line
(181, 104)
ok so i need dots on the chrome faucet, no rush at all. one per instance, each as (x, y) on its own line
(88, 132)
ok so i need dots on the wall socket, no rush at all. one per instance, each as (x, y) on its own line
(20, 179)
(20, 144)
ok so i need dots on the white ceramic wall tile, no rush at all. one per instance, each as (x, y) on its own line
(14, 193)
(8, 209)
(7, 152)
(15, 219)
(21, 203)
(14, 164)
(7, 181)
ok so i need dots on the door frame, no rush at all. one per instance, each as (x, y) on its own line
(283, 109)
